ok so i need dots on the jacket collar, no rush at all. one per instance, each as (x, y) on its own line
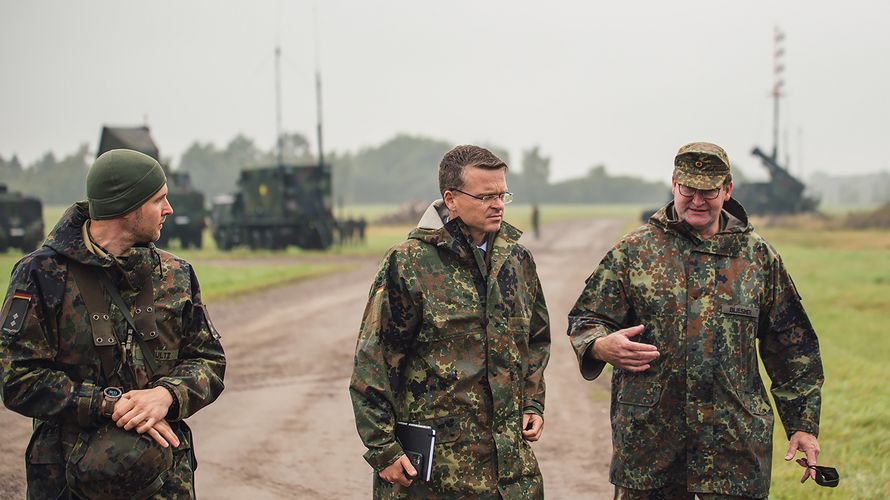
(728, 241)
(454, 235)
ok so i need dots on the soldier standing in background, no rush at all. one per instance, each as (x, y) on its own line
(677, 308)
(456, 336)
(106, 344)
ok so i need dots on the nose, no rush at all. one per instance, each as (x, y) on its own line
(168, 208)
(698, 198)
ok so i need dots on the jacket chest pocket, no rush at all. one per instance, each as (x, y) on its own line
(736, 329)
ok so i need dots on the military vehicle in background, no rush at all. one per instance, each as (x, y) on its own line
(21, 221)
(781, 194)
(188, 220)
(275, 207)
(281, 205)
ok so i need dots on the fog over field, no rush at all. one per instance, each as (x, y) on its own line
(622, 84)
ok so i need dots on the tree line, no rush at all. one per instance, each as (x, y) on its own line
(401, 169)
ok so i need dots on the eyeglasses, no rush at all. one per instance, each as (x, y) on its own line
(825, 476)
(488, 199)
(706, 194)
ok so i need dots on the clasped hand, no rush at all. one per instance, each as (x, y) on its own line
(145, 410)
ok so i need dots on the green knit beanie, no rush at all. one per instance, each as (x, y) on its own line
(120, 181)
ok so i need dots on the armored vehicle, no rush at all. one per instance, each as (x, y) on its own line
(21, 221)
(275, 207)
(782, 194)
(188, 220)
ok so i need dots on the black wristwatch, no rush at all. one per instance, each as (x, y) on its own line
(111, 395)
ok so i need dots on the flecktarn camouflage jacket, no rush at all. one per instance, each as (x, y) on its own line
(50, 369)
(457, 340)
(700, 415)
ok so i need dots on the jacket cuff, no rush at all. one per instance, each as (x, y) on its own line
(383, 457)
(88, 400)
(808, 427)
(174, 386)
(591, 367)
(532, 406)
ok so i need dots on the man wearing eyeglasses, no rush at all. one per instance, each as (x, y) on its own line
(456, 336)
(677, 307)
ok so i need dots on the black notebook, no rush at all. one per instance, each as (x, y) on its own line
(417, 442)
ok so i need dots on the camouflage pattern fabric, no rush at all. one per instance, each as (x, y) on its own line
(701, 165)
(50, 371)
(700, 414)
(670, 492)
(457, 340)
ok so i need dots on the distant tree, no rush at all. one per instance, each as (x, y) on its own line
(535, 174)
(402, 169)
(10, 169)
(53, 181)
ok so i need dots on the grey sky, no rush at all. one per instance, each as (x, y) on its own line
(619, 83)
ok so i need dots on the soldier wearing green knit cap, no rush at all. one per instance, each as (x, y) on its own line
(106, 344)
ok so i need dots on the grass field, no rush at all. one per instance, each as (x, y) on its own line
(844, 279)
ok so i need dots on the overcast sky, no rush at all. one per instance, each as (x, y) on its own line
(617, 83)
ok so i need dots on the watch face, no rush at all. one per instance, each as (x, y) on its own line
(113, 392)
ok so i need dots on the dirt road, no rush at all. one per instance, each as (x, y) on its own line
(284, 426)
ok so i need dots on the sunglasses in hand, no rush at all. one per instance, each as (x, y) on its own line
(825, 476)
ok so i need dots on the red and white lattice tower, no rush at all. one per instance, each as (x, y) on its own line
(778, 69)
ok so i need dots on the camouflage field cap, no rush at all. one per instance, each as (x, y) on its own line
(701, 165)
(112, 463)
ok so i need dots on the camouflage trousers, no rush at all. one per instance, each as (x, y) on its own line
(670, 492)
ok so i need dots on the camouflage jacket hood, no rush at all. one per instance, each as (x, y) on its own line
(458, 339)
(66, 238)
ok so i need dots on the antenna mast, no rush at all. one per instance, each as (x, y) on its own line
(279, 141)
(778, 69)
(318, 90)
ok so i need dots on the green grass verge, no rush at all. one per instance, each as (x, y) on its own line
(220, 281)
(844, 279)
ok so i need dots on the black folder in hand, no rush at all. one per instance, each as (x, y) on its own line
(417, 442)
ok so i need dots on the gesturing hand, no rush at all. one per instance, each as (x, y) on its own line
(618, 350)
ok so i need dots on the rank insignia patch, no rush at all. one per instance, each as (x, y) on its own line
(15, 316)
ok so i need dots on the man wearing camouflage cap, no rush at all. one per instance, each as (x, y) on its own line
(677, 308)
(106, 344)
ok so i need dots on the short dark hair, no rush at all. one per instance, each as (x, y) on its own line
(452, 166)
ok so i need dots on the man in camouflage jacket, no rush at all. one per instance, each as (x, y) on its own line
(696, 288)
(456, 336)
(49, 366)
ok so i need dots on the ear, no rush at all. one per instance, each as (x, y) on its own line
(448, 197)
(728, 191)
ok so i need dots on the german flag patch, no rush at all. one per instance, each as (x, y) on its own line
(15, 314)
